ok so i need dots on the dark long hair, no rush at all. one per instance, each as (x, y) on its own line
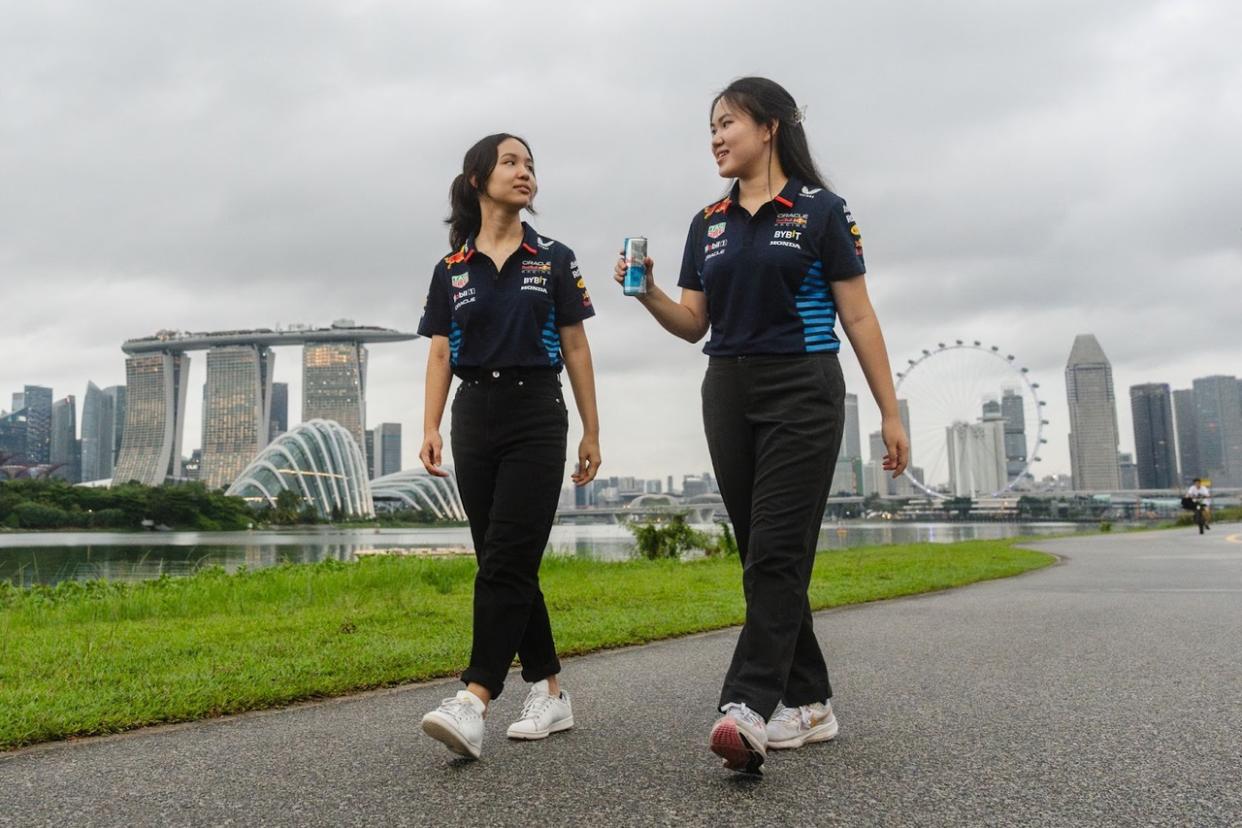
(767, 102)
(466, 217)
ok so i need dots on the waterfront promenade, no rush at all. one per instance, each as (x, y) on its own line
(1102, 691)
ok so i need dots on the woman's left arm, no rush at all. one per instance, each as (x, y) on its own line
(576, 352)
(863, 328)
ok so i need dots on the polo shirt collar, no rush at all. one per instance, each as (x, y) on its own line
(529, 245)
(781, 201)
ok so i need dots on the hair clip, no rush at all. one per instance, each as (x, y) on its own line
(799, 114)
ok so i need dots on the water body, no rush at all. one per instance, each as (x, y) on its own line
(50, 557)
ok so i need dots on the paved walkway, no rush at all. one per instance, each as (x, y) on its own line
(1102, 691)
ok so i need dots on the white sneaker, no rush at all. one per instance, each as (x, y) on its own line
(740, 738)
(458, 723)
(793, 727)
(542, 714)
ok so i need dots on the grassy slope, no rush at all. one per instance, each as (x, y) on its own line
(107, 657)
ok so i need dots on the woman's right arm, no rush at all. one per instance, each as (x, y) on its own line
(439, 377)
(686, 318)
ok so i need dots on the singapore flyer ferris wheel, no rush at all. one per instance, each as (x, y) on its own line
(975, 420)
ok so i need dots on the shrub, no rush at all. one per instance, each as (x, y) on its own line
(671, 539)
(37, 516)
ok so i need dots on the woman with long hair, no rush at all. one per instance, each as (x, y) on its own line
(769, 270)
(504, 314)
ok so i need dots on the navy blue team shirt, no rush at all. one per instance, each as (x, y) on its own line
(509, 318)
(768, 276)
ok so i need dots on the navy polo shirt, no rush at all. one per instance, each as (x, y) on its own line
(768, 276)
(508, 318)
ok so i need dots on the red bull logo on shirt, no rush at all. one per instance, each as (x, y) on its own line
(536, 267)
(719, 207)
(791, 220)
(460, 256)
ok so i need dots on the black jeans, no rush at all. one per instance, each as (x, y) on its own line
(774, 426)
(508, 437)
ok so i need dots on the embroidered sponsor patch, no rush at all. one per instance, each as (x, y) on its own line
(791, 219)
(460, 280)
(530, 266)
(716, 230)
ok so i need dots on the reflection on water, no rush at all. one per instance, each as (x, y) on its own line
(47, 558)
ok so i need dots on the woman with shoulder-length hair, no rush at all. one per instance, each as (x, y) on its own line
(769, 270)
(504, 314)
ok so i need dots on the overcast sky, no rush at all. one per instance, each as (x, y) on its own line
(1021, 171)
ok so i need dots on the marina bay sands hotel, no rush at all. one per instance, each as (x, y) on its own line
(237, 401)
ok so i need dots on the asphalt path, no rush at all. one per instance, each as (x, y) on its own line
(1104, 690)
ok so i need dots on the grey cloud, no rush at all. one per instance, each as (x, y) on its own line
(1021, 172)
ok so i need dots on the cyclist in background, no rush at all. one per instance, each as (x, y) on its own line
(1201, 496)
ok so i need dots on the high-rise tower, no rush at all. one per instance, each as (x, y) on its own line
(98, 428)
(1152, 408)
(37, 402)
(66, 451)
(1219, 406)
(334, 386)
(154, 415)
(1186, 415)
(236, 411)
(1093, 416)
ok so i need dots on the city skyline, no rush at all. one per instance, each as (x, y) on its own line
(215, 167)
(1185, 449)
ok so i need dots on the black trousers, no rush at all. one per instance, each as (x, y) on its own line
(774, 426)
(508, 438)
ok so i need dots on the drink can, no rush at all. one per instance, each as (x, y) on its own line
(635, 269)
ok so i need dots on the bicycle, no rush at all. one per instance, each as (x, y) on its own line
(1199, 507)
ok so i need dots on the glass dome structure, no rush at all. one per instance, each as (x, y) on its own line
(318, 460)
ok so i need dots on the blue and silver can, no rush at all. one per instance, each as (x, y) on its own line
(635, 270)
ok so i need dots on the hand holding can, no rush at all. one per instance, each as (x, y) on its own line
(635, 256)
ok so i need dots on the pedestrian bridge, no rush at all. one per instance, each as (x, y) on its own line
(652, 507)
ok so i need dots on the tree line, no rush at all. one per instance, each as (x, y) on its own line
(55, 504)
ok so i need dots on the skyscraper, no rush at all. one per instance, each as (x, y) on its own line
(334, 383)
(976, 453)
(155, 410)
(1186, 415)
(369, 450)
(387, 448)
(1093, 416)
(236, 411)
(851, 444)
(13, 436)
(98, 429)
(117, 394)
(334, 374)
(1219, 409)
(65, 450)
(38, 406)
(1012, 409)
(1151, 405)
(280, 410)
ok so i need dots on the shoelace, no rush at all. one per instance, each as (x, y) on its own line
(791, 715)
(536, 702)
(456, 709)
(744, 712)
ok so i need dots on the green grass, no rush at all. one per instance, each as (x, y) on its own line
(104, 657)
